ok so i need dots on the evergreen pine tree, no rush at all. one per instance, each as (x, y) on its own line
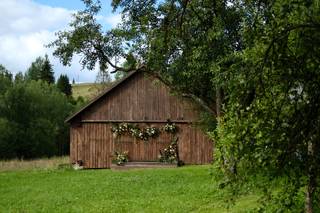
(103, 77)
(5, 80)
(47, 73)
(41, 69)
(33, 72)
(19, 77)
(64, 85)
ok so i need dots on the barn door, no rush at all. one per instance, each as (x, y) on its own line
(97, 148)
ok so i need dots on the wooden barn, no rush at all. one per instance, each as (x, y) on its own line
(143, 101)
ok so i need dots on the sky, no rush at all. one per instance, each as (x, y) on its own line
(28, 25)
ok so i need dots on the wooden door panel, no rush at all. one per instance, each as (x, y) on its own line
(97, 146)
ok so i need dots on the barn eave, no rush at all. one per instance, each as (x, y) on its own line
(103, 94)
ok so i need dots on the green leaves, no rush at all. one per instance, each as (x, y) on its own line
(40, 69)
(262, 57)
(32, 120)
(271, 110)
(63, 84)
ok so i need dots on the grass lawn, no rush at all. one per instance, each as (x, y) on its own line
(186, 189)
(86, 90)
(39, 164)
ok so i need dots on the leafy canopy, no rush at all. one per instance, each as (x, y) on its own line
(259, 58)
(41, 69)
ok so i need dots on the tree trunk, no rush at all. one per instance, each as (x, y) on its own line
(311, 179)
(309, 206)
(310, 194)
(218, 102)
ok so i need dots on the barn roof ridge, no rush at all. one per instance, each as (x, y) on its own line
(101, 95)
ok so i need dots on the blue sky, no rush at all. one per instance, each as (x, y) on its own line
(68, 4)
(76, 5)
(27, 25)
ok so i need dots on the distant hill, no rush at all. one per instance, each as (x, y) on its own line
(86, 90)
(90, 90)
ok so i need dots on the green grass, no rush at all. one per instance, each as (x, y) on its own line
(38, 164)
(186, 189)
(86, 90)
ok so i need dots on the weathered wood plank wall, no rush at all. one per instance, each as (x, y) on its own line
(94, 144)
(143, 150)
(195, 147)
(141, 98)
(146, 101)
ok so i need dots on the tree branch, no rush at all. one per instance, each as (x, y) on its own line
(144, 68)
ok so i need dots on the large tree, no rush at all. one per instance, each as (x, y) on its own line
(40, 69)
(63, 84)
(33, 72)
(103, 77)
(19, 77)
(178, 41)
(47, 73)
(257, 61)
(32, 121)
(272, 116)
(5, 79)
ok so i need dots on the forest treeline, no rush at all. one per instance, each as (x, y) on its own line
(33, 107)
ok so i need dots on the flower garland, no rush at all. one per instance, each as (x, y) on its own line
(170, 128)
(142, 134)
(167, 155)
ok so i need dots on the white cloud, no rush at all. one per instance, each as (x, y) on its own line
(113, 20)
(25, 16)
(26, 27)
(17, 51)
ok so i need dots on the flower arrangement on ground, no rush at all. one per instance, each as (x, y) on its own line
(170, 154)
(121, 157)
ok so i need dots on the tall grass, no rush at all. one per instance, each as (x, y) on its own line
(43, 163)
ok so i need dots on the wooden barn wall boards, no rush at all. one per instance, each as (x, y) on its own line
(137, 99)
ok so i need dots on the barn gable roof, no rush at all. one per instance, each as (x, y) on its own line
(103, 94)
